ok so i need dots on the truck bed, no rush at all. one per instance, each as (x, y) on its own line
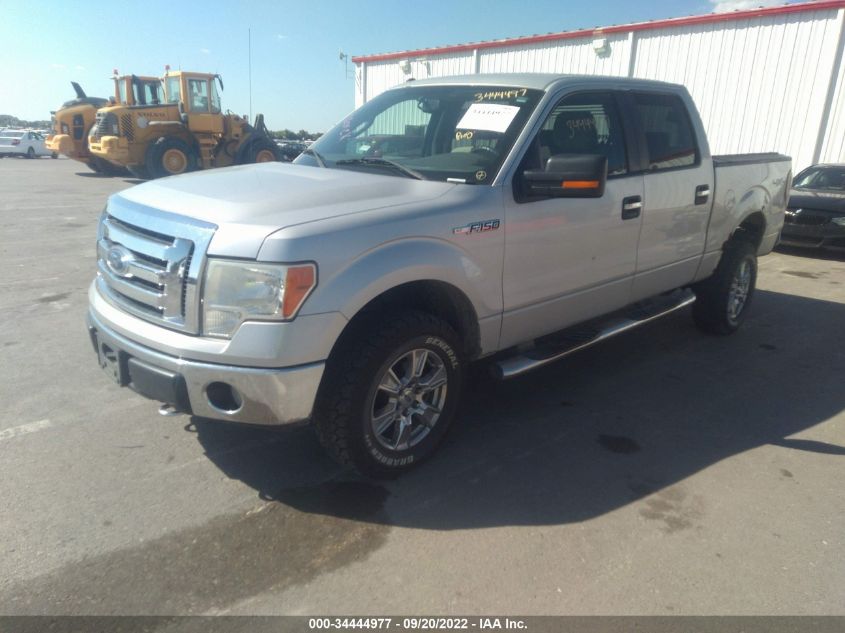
(726, 160)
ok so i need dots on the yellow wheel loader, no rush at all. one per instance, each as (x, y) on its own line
(73, 120)
(188, 131)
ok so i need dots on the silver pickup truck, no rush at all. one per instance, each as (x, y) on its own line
(512, 218)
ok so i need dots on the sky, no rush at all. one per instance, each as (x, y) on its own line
(298, 78)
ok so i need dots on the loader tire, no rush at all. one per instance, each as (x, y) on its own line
(263, 150)
(170, 156)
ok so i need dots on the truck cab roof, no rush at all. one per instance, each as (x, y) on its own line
(541, 81)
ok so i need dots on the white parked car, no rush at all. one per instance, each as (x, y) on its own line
(23, 143)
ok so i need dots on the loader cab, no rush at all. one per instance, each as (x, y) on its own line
(198, 99)
(134, 90)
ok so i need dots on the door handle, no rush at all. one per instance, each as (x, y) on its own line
(631, 207)
(702, 194)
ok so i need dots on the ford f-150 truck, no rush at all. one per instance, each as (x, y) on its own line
(513, 218)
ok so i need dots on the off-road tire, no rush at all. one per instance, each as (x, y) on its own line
(170, 156)
(712, 308)
(342, 414)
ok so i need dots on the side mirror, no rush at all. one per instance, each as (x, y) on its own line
(568, 176)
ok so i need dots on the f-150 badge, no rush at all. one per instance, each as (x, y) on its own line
(477, 227)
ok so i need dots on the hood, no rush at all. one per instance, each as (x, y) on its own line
(831, 201)
(249, 202)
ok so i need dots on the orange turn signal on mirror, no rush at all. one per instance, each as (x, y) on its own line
(299, 282)
(580, 184)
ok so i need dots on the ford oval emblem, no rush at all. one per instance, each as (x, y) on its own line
(118, 260)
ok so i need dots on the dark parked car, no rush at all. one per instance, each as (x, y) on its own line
(815, 215)
(291, 149)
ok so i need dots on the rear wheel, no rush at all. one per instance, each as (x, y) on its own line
(389, 398)
(169, 157)
(54, 155)
(722, 301)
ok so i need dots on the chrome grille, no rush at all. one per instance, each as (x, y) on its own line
(152, 273)
(105, 124)
(809, 217)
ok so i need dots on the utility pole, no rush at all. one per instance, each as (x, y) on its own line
(249, 34)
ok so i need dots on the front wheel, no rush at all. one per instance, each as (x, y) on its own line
(722, 301)
(30, 153)
(170, 156)
(389, 398)
(263, 150)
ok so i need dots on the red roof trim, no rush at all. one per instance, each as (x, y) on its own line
(818, 5)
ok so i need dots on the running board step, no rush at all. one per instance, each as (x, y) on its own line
(556, 346)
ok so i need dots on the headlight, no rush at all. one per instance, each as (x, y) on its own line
(238, 291)
(840, 220)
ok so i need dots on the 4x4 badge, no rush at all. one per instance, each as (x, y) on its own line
(477, 227)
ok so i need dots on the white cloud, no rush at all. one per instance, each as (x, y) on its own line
(77, 67)
(724, 6)
(281, 37)
(58, 66)
(205, 51)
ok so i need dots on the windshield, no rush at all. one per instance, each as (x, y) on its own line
(456, 133)
(121, 89)
(821, 178)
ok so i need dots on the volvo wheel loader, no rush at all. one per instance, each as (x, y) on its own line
(188, 131)
(72, 122)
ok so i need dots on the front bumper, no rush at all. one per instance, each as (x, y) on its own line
(221, 392)
(60, 144)
(110, 148)
(828, 235)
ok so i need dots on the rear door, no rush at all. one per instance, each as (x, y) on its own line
(678, 185)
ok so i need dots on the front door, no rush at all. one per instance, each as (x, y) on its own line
(568, 259)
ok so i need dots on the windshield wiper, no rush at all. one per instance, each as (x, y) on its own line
(374, 160)
(315, 154)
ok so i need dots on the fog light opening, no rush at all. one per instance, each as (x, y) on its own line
(224, 397)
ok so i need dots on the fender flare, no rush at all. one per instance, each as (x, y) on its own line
(354, 286)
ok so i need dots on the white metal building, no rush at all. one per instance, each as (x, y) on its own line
(768, 79)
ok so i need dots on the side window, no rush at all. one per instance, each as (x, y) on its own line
(215, 98)
(150, 93)
(668, 131)
(78, 127)
(199, 95)
(585, 123)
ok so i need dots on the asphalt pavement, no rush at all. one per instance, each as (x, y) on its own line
(664, 472)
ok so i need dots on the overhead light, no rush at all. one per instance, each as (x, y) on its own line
(600, 45)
